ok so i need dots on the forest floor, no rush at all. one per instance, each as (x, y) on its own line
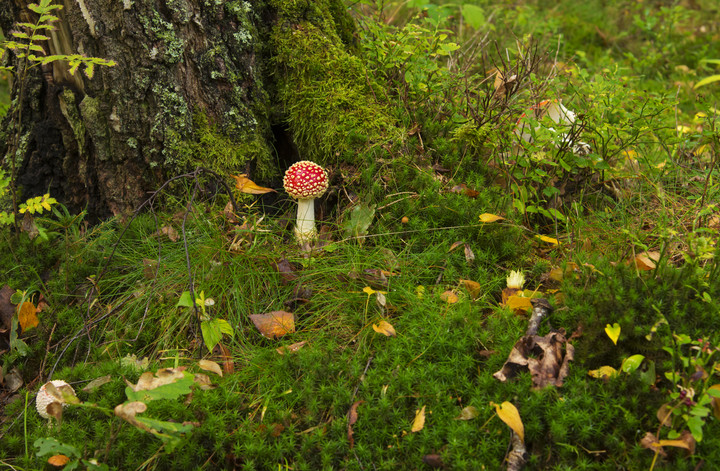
(531, 304)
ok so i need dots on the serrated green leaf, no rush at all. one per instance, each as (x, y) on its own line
(50, 446)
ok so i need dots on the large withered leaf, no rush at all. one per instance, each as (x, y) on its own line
(542, 356)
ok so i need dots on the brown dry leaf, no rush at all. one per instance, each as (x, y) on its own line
(455, 245)
(385, 328)
(473, 288)
(650, 442)
(509, 414)
(463, 189)
(647, 260)
(245, 185)
(468, 413)
(149, 381)
(291, 348)
(542, 356)
(211, 366)
(469, 255)
(55, 410)
(419, 421)
(128, 410)
(224, 353)
(433, 460)
(203, 382)
(27, 317)
(275, 324)
(170, 232)
(286, 270)
(508, 292)
(449, 297)
(58, 460)
(352, 418)
(663, 415)
(229, 213)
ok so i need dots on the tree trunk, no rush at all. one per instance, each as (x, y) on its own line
(219, 83)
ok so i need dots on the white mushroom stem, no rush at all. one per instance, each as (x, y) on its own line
(305, 228)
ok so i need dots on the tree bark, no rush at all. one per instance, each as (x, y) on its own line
(197, 82)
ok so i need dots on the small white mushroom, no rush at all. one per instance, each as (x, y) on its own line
(44, 398)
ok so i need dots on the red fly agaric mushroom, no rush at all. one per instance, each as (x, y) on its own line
(305, 181)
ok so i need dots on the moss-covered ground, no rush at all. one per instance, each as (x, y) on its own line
(620, 237)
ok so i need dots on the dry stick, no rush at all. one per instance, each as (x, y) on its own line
(136, 213)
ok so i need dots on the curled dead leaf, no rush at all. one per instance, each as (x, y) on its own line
(245, 185)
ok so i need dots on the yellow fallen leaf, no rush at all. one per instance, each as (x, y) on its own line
(209, 365)
(487, 217)
(519, 303)
(245, 185)
(547, 239)
(509, 414)
(473, 288)
(368, 290)
(449, 297)
(385, 328)
(468, 413)
(419, 422)
(675, 443)
(603, 372)
(27, 317)
(613, 331)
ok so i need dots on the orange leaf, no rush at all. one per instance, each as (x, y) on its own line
(58, 460)
(384, 328)
(647, 260)
(245, 185)
(274, 324)
(27, 317)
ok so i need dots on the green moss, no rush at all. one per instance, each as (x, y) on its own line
(326, 94)
(208, 146)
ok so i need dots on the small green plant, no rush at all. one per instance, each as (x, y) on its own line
(212, 329)
(710, 79)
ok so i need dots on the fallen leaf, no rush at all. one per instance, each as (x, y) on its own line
(469, 254)
(509, 414)
(449, 297)
(203, 382)
(613, 331)
(58, 460)
(519, 303)
(245, 185)
(547, 239)
(211, 366)
(473, 288)
(291, 348)
(27, 317)
(651, 442)
(385, 328)
(13, 380)
(419, 421)
(603, 372)
(455, 245)
(287, 273)
(224, 353)
(97, 382)
(542, 356)
(274, 324)
(487, 217)
(433, 460)
(352, 418)
(170, 232)
(716, 401)
(647, 261)
(468, 413)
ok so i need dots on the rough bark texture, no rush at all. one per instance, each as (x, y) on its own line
(197, 82)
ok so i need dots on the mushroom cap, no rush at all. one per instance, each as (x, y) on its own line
(44, 398)
(305, 180)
